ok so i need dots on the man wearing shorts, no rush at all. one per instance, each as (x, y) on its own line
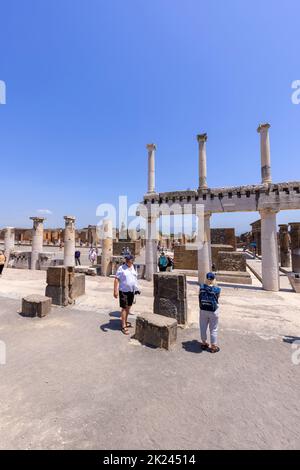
(125, 286)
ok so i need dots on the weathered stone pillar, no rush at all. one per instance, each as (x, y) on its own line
(270, 268)
(69, 241)
(284, 244)
(204, 265)
(107, 247)
(202, 139)
(151, 246)
(37, 240)
(263, 130)
(207, 216)
(9, 242)
(151, 167)
(295, 245)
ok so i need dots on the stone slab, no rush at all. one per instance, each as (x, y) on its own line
(170, 296)
(36, 306)
(156, 330)
(78, 286)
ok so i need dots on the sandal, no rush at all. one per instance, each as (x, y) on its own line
(204, 346)
(215, 350)
(128, 325)
(125, 331)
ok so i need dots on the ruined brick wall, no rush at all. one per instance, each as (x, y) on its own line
(223, 236)
(185, 259)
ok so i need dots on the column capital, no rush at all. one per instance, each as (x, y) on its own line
(69, 218)
(38, 219)
(207, 214)
(263, 127)
(202, 137)
(268, 211)
(151, 147)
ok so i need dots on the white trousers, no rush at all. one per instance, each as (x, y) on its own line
(211, 320)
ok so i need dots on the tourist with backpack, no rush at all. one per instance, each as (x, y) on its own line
(162, 263)
(209, 312)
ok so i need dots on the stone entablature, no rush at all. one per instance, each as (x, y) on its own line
(279, 196)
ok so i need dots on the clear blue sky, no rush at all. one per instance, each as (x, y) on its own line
(91, 82)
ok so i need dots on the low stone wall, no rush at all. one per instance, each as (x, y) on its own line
(215, 250)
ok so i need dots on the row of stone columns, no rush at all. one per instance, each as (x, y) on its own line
(269, 243)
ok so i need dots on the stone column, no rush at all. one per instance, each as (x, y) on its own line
(151, 246)
(9, 242)
(151, 167)
(207, 216)
(263, 130)
(204, 265)
(284, 244)
(69, 241)
(269, 246)
(37, 240)
(295, 245)
(107, 247)
(202, 138)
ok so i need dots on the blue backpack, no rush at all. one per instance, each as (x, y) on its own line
(208, 297)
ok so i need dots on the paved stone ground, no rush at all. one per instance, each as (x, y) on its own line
(72, 380)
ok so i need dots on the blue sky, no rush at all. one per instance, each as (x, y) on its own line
(91, 82)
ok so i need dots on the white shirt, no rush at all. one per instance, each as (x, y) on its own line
(127, 278)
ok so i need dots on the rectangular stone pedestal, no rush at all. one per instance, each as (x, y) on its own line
(170, 296)
(156, 330)
(36, 306)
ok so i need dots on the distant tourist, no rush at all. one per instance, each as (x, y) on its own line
(162, 262)
(2, 262)
(77, 258)
(126, 287)
(170, 265)
(92, 255)
(209, 312)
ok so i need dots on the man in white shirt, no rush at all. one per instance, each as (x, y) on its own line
(125, 286)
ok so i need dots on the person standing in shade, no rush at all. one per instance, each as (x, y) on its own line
(2, 262)
(209, 312)
(125, 287)
(77, 258)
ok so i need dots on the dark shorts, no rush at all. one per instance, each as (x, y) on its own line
(126, 299)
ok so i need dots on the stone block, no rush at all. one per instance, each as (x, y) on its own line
(156, 330)
(59, 295)
(58, 276)
(294, 279)
(170, 296)
(231, 261)
(234, 277)
(36, 306)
